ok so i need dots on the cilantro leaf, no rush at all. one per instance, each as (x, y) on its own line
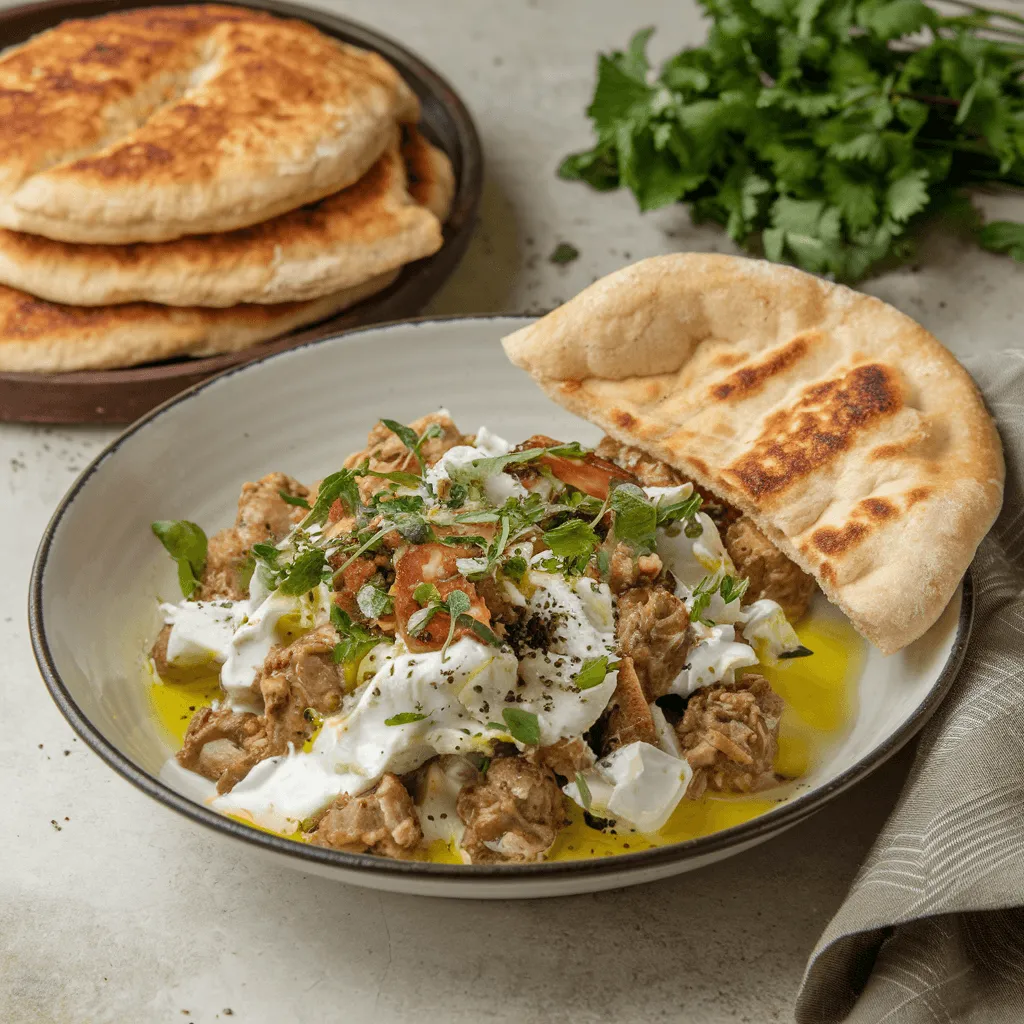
(482, 631)
(457, 604)
(404, 718)
(515, 568)
(373, 602)
(732, 589)
(1004, 236)
(408, 437)
(356, 640)
(823, 133)
(593, 672)
(185, 542)
(572, 539)
(523, 725)
(304, 573)
(292, 499)
(426, 593)
(338, 485)
(636, 518)
(701, 598)
(404, 479)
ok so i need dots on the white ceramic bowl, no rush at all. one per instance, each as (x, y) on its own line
(93, 608)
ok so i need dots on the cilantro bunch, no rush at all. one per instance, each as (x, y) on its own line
(815, 131)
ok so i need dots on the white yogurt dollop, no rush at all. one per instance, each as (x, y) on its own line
(421, 697)
(201, 631)
(638, 784)
(579, 620)
(498, 487)
(252, 641)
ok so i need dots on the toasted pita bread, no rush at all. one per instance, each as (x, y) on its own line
(155, 123)
(43, 337)
(368, 229)
(854, 440)
(431, 178)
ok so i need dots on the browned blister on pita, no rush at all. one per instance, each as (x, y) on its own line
(850, 435)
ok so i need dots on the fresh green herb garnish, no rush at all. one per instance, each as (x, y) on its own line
(408, 437)
(356, 640)
(732, 589)
(373, 602)
(817, 132)
(293, 499)
(574, 539)
(338, 485)
(457, 605)
(1004, 236)
(636, 518)
(481, 469)
(584, 790)
(701, 595)
(426, 593)
(396, 477)
(686, 509)
(515, 568)
(464, 540)
(404, 718)
(593, 672)
(457, 495)
(185, 542)
(304, 573)
(523, 725)
(267, 553)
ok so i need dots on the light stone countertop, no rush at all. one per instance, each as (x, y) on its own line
(114, 910)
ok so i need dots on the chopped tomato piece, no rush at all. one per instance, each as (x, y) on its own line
(350, 580)
(592, 475)
(436, 564)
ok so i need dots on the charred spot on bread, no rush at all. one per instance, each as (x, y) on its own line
(823, 424)
(748, 380)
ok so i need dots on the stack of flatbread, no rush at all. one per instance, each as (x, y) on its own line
(193, 180)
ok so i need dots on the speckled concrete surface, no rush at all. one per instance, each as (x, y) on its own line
(114, 910)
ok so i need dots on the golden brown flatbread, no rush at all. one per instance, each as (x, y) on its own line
(855, 441)
(45, 337)
(431, 178)
(154, 123)
(366, 230)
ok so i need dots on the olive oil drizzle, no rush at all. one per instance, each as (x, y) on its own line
(820, 694)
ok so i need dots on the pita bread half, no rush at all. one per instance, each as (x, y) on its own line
(366, 230)
(43, 337)
(151, 124)
(431, 178)
(853, 439)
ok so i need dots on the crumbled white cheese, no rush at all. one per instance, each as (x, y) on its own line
(201, 631)
(579, 620)
(638, 784)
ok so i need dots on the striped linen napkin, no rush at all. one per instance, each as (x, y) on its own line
(932, 929)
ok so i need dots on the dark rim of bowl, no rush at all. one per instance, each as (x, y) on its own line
(788, 812)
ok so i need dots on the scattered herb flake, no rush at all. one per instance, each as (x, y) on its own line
(523, 725)
(185, 542)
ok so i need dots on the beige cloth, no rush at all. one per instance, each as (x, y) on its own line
(932, 929)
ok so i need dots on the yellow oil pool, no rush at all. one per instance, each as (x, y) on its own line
(821, 700)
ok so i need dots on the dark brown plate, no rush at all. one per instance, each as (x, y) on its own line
(119, 396)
